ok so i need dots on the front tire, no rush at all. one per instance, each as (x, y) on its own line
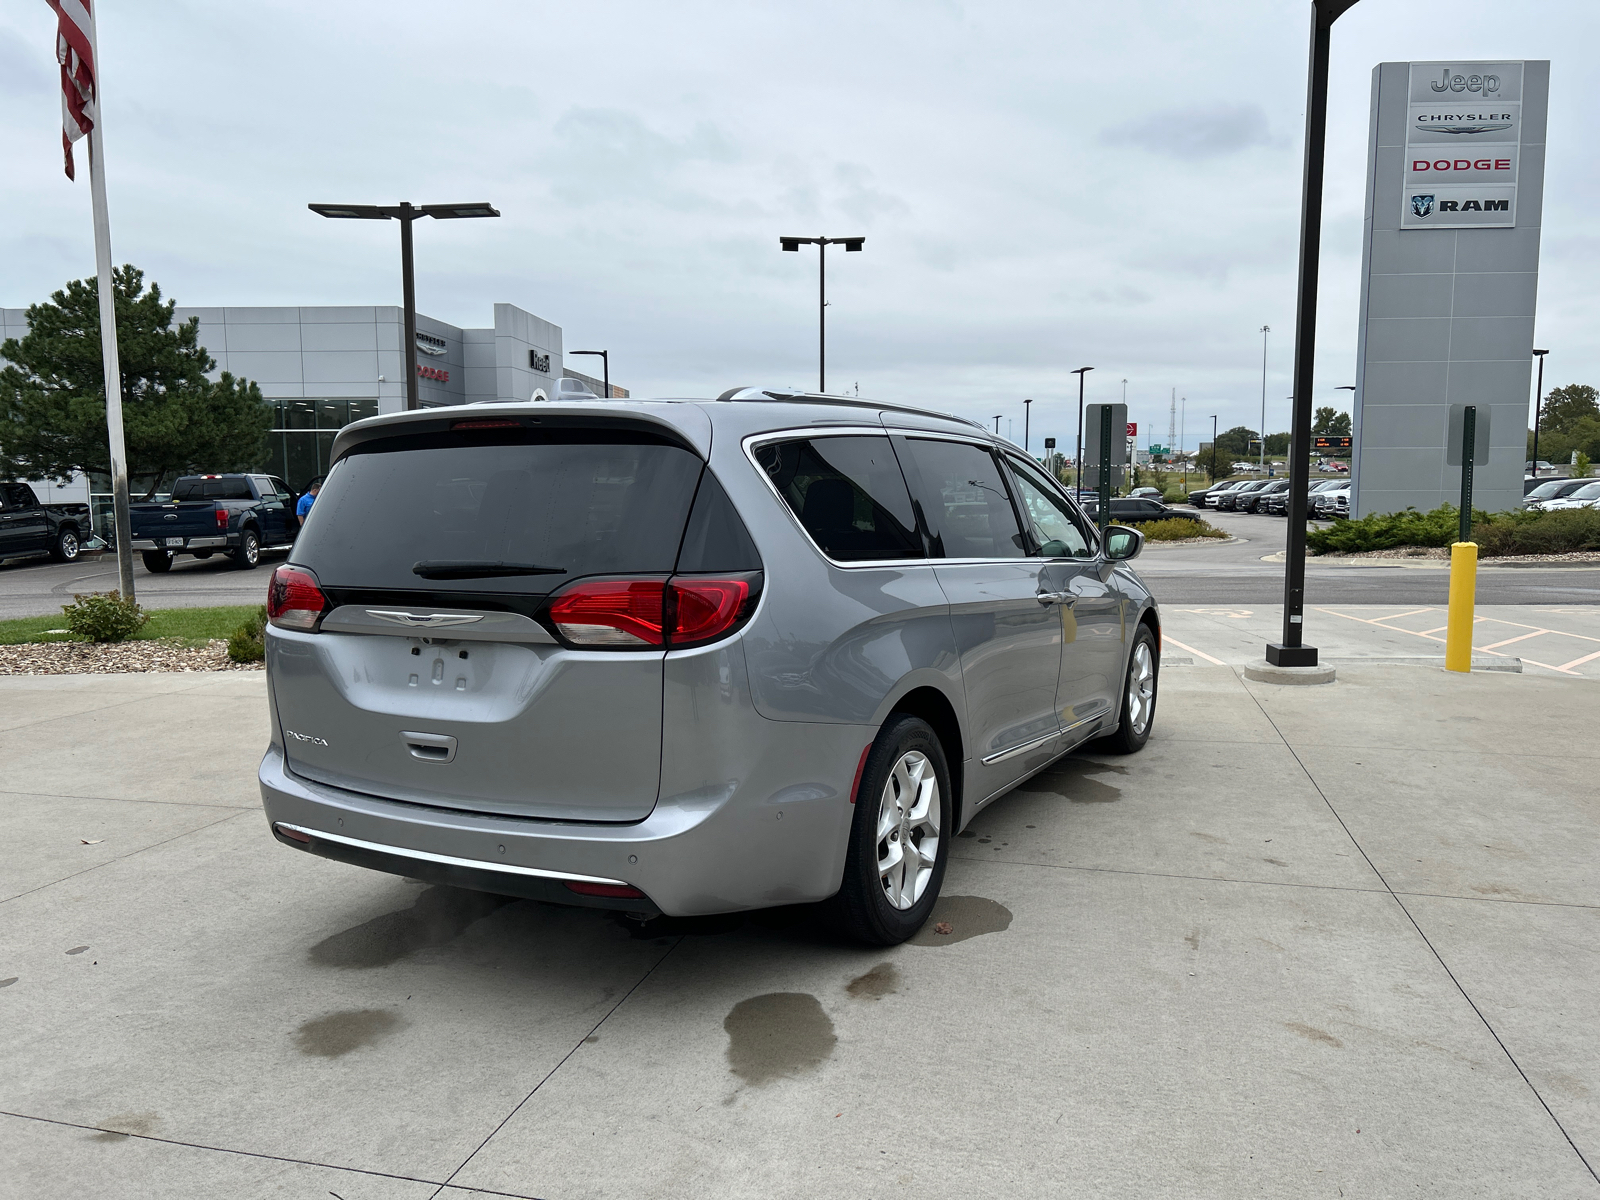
(157, 562)
(899, 838)
(248, 553)
(1138, 714)
(66, 547)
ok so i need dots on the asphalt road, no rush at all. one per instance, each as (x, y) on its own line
(1233, 573)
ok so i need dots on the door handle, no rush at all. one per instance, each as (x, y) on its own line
(1049, 598)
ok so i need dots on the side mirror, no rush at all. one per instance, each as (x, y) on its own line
(1122, 543)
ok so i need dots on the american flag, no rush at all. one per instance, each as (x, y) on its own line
(75, 52)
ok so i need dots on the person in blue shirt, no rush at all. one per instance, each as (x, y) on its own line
(306, 501)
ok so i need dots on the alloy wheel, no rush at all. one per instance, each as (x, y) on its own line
(908, 829)
(1141, 688)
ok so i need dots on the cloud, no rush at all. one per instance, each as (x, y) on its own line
(1189, 134)
(25, 68)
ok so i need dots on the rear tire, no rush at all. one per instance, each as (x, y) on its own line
(1138, 713)
(66, 547)
(248, 553)
(899, 837)
(157, 562)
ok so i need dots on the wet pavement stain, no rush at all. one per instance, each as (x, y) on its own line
(777, 1035)
(1193, 938)
(339, 1033)
(967, 916)
(9, 982)
(440, 915)
(1312, 1034)
(118, 1128)
(883, 980)
(77, 950)
(1071, 780)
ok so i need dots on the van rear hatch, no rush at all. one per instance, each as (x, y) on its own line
(436, 675)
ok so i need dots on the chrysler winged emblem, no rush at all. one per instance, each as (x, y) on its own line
(424, 620)
(1422, 206)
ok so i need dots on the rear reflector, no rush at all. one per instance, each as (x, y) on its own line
(293, 835)
(294, 600)
(617, 891)
(861, 767)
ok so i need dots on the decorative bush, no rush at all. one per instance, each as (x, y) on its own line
(248, 643)
(1175, 529)
(104, 616)
(1497, 534)
(1384, 531)
(1559, 532)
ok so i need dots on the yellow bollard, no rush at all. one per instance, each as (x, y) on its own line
(1463, 591)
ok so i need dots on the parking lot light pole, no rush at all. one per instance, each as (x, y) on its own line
(1538, 401)
(605, 366)
(1213, 449)
(405, 212)
(793, 244)
(1077, 462)
(1265, 329)
(1291, 650)
(1025, 430)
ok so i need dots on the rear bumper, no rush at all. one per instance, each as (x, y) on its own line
(754, 844)
(179, 545)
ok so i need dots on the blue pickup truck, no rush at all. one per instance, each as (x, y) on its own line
(236, 515)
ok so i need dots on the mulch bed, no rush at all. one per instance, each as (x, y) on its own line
(86, 658)
(1443, 552)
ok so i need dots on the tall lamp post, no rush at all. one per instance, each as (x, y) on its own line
(1213, 449)
(822, 243)
(1025, 427)
(1183, 424)
(605, 366)
(405, 212)
(1291, 650)
(997, 424)
(1077, 462)
(1538, 401)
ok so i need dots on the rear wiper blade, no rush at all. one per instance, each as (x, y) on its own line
(454, 569)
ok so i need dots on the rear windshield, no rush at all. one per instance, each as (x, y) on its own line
(586, 507)
(212, 489)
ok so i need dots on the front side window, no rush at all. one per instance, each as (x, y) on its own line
(848, 493)
(964, 500)
(1055, 531)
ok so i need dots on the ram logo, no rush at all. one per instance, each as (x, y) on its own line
(1422, 206)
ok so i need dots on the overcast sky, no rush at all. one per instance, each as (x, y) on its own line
(1041, 185)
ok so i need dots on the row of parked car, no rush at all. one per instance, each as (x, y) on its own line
(1556, 494)
(1325, 499)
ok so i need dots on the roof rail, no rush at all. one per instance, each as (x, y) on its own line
(799, 397)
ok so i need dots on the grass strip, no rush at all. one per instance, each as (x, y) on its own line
(192, 626)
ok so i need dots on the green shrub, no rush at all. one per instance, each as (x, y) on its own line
(1559, 532)
(1384, 531)
(104, 616)
(248, 643)
(1580, 465)
(1175, 529)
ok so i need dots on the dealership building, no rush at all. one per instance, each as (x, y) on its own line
(321, 368)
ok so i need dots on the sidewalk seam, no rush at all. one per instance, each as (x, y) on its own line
(1426, 941)
(550, 1074)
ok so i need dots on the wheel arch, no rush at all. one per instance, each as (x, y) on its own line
(930, 704)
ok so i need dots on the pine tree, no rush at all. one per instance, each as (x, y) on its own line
(53, 402)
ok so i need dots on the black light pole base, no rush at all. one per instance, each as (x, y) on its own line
(1280, 655)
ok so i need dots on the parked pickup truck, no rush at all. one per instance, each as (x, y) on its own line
(239, 515)
(28, 527)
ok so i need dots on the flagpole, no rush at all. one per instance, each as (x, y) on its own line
(108, 351)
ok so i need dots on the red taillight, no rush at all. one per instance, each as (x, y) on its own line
(685, 611)
(294, 600)
(619, 891)
(612, 612)
(222, 518)
(704, 609)
(485, 424)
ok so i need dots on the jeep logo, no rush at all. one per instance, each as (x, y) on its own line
(1487, 84)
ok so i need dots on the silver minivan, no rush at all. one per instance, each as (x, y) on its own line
(689, 657)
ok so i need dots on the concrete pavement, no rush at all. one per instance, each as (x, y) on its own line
(1310, 942)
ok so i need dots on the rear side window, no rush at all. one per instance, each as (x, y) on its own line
(964, 500)
(577, 502)
(848, 493)
(716, 539)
